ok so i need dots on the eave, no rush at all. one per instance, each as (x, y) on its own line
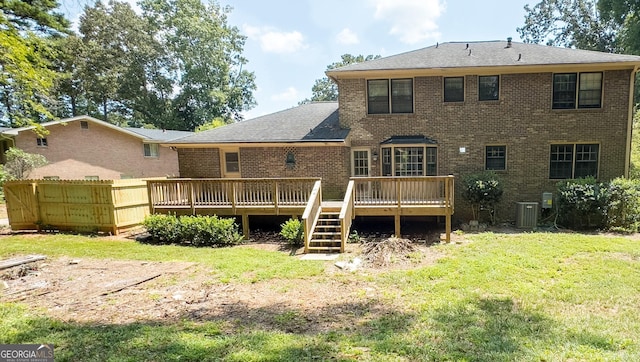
(480, 70)
(315, 143)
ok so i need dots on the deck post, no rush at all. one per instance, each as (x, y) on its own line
(192, 199)
(245, 226)
(396, 218)
(448, 226)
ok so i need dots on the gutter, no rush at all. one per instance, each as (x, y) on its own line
(632, 82)
(13, 140)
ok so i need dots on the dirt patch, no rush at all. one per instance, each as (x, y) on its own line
(115, 291)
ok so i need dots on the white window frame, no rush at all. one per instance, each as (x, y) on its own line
(224, 166)
(353, 161)
(151, 150)
(425, 157)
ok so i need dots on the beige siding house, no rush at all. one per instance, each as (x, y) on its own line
(534, 114)
(87, 148)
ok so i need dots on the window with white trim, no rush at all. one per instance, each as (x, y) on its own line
(42, 142)
(150, 149)
(232, 162)
(360, 166)
(409, 161)
(569, 161)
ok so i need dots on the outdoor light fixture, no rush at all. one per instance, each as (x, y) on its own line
(375, 155)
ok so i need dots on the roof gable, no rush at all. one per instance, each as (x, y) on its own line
(486, 54)
(312, 122)
(140, 133)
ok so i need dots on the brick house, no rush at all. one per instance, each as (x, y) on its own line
(533, 114)
(87, 148)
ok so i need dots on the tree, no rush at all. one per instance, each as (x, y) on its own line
(19, 163)
(626, 14)
(217, 122)
(207, 55)
(325, 89)
(570, 23)
(27, 31)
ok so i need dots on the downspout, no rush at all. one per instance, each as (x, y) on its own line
(632, 82)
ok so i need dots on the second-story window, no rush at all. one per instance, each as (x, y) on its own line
(577, 90)
(390, 96)
(488, 88)
(454, 89)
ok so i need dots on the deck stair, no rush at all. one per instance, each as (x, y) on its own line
(326, 237)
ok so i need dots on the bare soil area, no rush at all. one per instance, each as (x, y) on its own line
(116, 291)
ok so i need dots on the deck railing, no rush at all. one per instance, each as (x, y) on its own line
(229, 193)
(347, 213)
(404, 191)
(312, 213)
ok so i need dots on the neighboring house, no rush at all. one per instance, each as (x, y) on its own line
(87, 148)
(533, 114)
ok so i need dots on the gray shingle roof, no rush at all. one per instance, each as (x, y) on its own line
(485, 54)
(158, 134)
(312, 122)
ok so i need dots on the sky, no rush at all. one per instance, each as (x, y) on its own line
(290, 42)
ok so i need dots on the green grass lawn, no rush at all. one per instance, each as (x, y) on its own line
(499, 297)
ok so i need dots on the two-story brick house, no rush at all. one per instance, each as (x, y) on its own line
(534, 114)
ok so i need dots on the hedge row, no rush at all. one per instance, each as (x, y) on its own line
(192, 230)
(588, 204)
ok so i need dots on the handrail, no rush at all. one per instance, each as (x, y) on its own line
(312, 213)
(346, 214)
(402, 191)
(229, 193)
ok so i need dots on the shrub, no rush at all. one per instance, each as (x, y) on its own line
(482, 190)
(623, 205)
(582, 203)
(164, 229)
(293, 231)
(193, 230)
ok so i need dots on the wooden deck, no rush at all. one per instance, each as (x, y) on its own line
(231, 197)
(365, 196)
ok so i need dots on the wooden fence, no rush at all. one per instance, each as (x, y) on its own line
(85, 206)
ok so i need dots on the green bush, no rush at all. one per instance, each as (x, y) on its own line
(192, 230)
(163, 229)
(293, 231)
(582, 203)
(482, 190)
(623, 205)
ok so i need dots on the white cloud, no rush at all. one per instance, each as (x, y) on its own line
(290, 94)
(347, 37)
(412, 21)
(273, 41)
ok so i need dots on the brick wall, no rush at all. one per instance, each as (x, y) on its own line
(327, 163)
(522, 119)
(74, 153)
(199, 162)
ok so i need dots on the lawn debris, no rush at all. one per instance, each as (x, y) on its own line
(130, 285)
(351, 265)
(387, 251)
(10, 263)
